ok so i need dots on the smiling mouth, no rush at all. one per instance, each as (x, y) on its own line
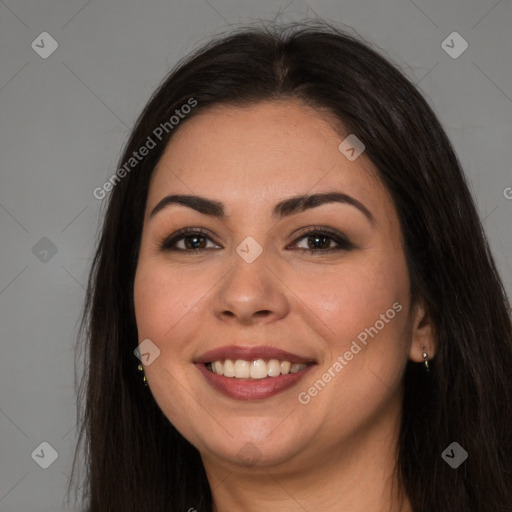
(255, 369)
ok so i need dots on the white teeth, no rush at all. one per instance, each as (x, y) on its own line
(241, 369)
(219, 368)
(285, 367)
(256, 369)
(273, 368)
(229, 368)
(295, 368)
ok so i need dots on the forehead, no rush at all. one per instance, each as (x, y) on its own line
(263, 152)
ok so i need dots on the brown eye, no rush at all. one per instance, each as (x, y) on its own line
(320, 240)
(194, 240)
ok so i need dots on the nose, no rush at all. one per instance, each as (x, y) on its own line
(251, 293)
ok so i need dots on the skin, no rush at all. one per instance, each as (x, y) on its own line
(336, 452)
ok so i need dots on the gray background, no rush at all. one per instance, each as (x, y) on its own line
(65, 118)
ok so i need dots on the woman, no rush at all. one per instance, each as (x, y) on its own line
(293, 305)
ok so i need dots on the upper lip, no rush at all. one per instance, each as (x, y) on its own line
(250, 353)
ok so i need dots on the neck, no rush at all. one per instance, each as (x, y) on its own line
(357, 475)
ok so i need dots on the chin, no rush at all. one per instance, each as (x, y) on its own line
(250, 450)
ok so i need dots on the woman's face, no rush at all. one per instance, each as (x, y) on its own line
(245, 289)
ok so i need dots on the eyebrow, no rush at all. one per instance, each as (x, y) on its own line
(282, 209)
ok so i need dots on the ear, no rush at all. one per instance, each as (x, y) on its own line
(422, 333)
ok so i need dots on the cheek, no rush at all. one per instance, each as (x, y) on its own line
(164, 309)
(353, 297)
(169, 310)
(163, 296)
(365, 308)
(151, 300)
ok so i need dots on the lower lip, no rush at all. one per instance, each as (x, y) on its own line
(252, 389)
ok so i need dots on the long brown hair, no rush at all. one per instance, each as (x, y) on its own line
(135, 459)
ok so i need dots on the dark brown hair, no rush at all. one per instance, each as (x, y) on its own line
(135, 459)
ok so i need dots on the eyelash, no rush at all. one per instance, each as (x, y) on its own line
(343, 243)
